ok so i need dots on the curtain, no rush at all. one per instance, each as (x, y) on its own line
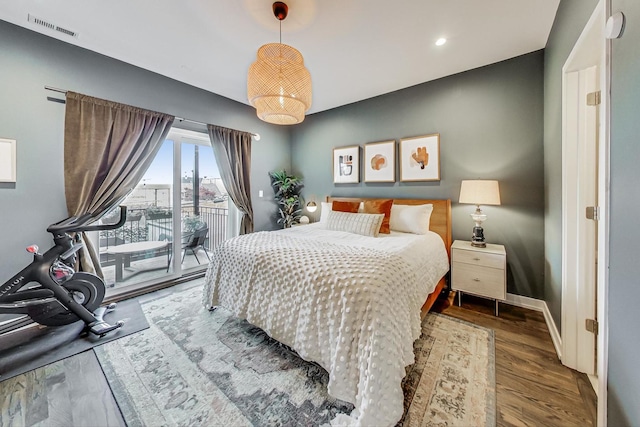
(107, 149)
(232, 150)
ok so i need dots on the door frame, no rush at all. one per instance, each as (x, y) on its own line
(592, 39)
(180, 136)
(177, 136)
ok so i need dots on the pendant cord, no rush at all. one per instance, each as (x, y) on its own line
(280, 32)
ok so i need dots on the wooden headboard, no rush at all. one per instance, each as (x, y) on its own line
(440, 217)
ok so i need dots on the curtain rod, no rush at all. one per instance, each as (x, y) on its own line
(256, 136)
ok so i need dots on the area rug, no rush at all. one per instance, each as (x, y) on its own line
(194, 367)
(35, 346)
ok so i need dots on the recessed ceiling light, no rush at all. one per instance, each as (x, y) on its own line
(441, 41)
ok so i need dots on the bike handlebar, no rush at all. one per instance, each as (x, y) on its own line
(80, 223)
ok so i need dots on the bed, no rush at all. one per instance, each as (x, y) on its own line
(351, 303)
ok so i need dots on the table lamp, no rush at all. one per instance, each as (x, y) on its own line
(479, 192)
(311, 206)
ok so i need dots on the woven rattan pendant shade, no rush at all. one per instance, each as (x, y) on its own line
(279, 85)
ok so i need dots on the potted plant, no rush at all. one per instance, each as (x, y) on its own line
(287, 189)
(191, 223)
(154, 212)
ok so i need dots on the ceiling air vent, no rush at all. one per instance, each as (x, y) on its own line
(51, 26)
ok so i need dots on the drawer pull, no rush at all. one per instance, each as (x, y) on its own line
(476, 280)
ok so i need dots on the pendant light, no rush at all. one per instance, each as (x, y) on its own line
(278, 84)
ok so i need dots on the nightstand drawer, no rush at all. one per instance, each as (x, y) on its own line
(478, 280)
(478, 258)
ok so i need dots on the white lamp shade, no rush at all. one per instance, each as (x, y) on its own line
(480, 192)
(311, 207)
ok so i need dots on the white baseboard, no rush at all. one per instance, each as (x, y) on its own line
(525, 302)
(593, 379)
(539, 305)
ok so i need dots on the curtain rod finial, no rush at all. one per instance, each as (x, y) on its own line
(256, 136)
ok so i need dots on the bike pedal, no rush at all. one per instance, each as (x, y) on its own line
(100, 312)
(103, 328)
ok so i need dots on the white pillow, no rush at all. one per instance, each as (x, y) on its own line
(410, 219)
(325, 208)
(357, 223)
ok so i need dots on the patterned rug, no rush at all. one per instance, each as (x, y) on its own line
(194, 367)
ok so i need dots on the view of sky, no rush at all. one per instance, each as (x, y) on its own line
(161, 169)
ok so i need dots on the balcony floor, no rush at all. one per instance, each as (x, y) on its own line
(149, 269)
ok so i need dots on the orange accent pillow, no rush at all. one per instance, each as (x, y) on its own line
(351, 207)
(380, 206)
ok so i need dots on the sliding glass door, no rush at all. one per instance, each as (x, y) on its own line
(204, 204)
(176, 215)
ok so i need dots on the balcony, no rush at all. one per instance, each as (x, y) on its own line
(155, 225)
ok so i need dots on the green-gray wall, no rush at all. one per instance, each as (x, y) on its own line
(490, 122)
(28, 62)
(624, 268)
(570, 19)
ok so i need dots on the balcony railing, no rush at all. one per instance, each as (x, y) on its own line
(157, 224)
(216, 219)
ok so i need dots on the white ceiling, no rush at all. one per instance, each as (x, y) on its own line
(354, 49)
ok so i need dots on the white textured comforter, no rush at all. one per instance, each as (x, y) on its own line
(348, 302)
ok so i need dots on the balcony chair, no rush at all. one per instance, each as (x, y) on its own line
(195, 241)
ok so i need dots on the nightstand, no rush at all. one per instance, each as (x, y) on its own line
(479, 271)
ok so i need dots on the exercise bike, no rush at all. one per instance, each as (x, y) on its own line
(51, 292)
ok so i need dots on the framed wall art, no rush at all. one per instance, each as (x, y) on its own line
(346, 165)
(420, 158)
(7, 160)
(380, 161)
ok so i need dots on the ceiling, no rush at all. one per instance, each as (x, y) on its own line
(354, 49)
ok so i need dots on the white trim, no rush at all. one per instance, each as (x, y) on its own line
(234, 219)
(603, 229)
(189, 136)
(593, 379)
(176, 200)
(553, 330)
(579, 293)
(526, 302)
(8, 164)
(539, 305)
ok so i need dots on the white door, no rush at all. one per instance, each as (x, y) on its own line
(580, 190)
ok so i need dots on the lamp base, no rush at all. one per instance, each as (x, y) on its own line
(477, 239)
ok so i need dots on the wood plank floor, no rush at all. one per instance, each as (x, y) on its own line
(533, 387)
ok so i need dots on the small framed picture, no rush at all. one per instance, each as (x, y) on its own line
(380, 161)
(420, 158)
(346, 165)
(7, 160)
